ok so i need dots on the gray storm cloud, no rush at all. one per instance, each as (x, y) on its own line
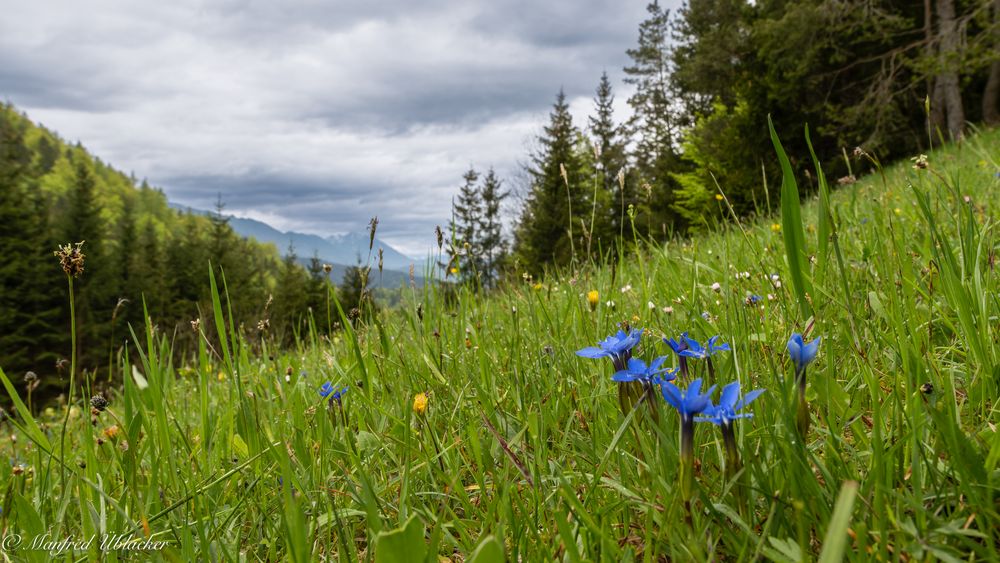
(313, 115)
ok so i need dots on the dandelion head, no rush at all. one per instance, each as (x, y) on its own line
(420, 403)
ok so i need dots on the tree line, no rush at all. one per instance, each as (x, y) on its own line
(895, 78)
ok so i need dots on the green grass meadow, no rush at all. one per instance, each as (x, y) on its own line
(523, 452)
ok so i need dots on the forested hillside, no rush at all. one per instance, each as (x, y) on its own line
(136, 248)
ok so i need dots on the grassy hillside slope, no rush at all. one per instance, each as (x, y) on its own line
(523, 440)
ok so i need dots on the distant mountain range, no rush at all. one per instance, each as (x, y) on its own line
(340, 251)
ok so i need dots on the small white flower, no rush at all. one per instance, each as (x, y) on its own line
(668, 310)
(770, 297)
(610, 304)
(651, 305)
(716, 287)
(627, 288)
(288, 378)
(777, 284)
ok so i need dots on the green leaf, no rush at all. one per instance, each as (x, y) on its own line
(30, 426)
(835, 540)
(401, 545)
(240, 447)
(825, 226)
(489, 551)
(28, 517)
(791, 227)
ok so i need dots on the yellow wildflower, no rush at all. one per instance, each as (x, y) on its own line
(593, 298)
(420, 403)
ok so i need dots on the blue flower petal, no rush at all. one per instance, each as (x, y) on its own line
(748, 398)
(730, 394)
(591, 352)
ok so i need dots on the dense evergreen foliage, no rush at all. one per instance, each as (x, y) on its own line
(892, 77)
(139, 253)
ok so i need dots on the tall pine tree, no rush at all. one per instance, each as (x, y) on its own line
(555, 204)
(611, 160)
(492, 246)
(655, 125)
(467, 213)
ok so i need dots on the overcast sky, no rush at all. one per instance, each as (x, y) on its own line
(312, 115)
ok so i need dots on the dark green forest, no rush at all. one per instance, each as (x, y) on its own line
(893, 78)
(141, 257)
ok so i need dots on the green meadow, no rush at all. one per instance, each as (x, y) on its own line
(470, 429)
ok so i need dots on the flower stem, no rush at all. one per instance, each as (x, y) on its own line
(687, 459)
(733, 463)
(802, 416)
(72, 383)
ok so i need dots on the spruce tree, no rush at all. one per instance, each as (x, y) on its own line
(654, 125)
(550, 217)
(611, 160)
(291, 299)
(492, 246)
(466, 215)
(96, 288)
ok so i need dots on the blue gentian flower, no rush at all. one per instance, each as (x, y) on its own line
(802, 354)
(618, 347)
(688, 403)
(637, 370)
(678, 345)
(334, 394)
(754, 299)
(696, 350)
(729, 405)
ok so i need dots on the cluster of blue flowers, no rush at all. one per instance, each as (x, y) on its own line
(692, 404)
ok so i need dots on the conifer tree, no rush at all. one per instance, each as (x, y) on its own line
(611, 160)
(546, 227)
(654, 124)
(466, 215)
(96, 287)
(492, 246)
(290, 301)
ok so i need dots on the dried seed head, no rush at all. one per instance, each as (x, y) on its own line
(71, 258)
(327, 268)
(372, 227)
(196, 325)
(440, 236)
(30, 377)
(99, 402)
